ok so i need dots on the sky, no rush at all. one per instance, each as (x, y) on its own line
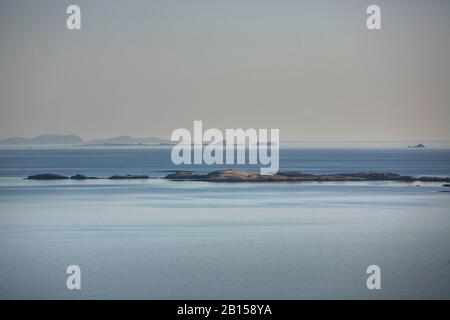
(145, 68)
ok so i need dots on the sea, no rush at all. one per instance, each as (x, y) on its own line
(160, 239)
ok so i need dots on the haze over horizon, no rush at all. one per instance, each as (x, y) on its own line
(144, 68)
(168, 138)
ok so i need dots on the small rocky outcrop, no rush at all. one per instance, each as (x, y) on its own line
(82, 177)
(420, 145)
(47, 176)
(128, 176)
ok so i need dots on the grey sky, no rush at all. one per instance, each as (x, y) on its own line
(144, 68)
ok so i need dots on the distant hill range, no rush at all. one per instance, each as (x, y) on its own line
(62, 139)
(127, 140)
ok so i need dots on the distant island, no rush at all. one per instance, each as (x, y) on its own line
(244, 176)
(70, 139)
(420, 145)
(44, 139)
(53, 176)
(127, 141)
(296, 176)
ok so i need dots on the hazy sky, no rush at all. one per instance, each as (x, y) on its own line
(144, 68)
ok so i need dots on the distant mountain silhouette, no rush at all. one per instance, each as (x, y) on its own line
(45, 139)
(76, 140)
(121, 140)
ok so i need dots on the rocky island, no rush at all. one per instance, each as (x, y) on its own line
(295, 176)
(245, 176)
(52, 176)
(129, 176)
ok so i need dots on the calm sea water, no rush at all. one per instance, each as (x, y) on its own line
(162, 239)
(156, 161)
